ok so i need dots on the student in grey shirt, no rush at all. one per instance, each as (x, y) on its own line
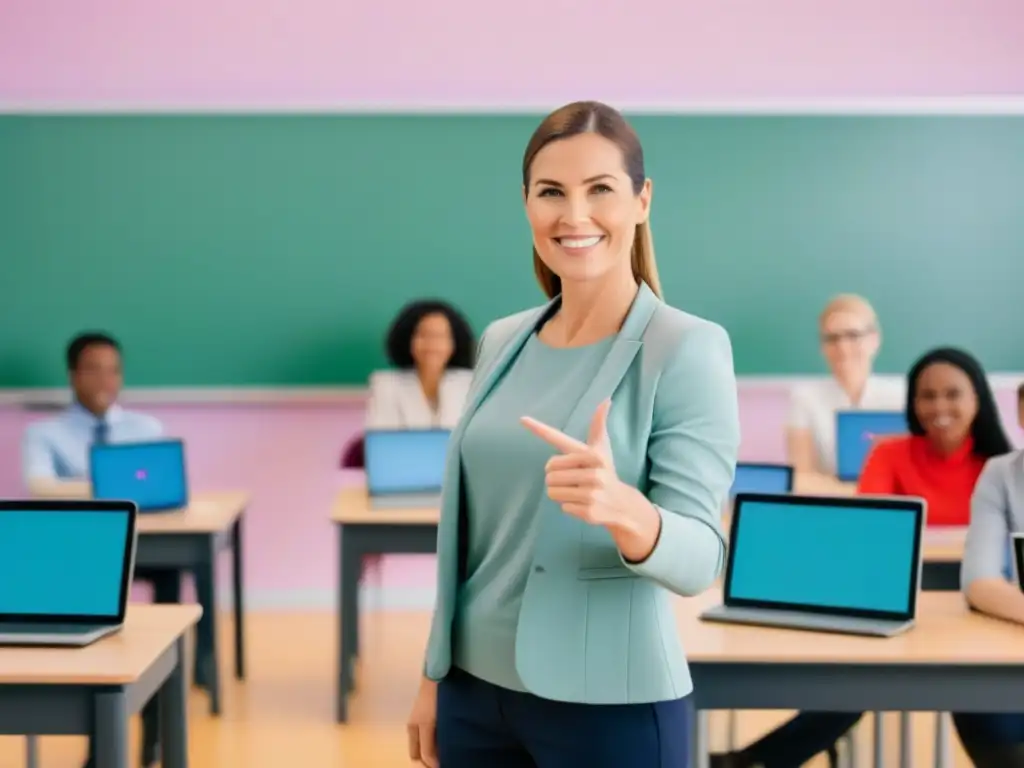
(997, 510)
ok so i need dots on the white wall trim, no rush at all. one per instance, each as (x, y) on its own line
(248, 396)
(965, 105)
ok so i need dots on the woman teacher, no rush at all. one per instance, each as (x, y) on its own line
(583, 487)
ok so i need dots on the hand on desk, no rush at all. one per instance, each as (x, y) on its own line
(584, 482)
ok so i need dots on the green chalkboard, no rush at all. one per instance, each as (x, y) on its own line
(272, 250)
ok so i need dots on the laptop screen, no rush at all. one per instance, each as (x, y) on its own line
(1017, 558)
(856, 556)
(856, 431)
(150, 474)
(762, 478)
(405, 461)
(65, 561)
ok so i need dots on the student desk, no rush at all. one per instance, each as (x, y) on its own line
(364, 531)
(92, 691)
(190, 540)
(952, 660)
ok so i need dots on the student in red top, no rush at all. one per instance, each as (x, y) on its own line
(954, 429)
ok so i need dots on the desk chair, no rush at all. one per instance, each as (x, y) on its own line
(353, 456)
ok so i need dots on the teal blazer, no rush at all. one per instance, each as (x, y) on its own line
(594, 628)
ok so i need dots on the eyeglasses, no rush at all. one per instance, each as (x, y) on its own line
(853, 335)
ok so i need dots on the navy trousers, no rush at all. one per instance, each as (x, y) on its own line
(479, 724)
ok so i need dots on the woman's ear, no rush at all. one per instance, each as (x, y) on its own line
(644, 201)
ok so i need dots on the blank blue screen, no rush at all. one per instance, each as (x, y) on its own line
(151, 475)
(405, 462)
(754, 479)
(836, 557)
(62, 563)
(855, 433)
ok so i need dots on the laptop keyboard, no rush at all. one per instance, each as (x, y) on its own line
(48, 629)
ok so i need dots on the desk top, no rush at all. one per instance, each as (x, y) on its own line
(211, 512)
(119, 659)
(352, 507)
(208, 512)
(946, 632)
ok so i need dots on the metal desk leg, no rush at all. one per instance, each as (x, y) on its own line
(700, 731)
(906, 741)
(237, 588)
(943, 745)
(879, 740)
(342, 660)
(173, 725)
(31, 752)
(207, 658)
(110, 729)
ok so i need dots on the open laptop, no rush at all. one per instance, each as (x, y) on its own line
(856, 432)
(151, 474)
(65, 570)
(405, 467)
(848, 565)
(761, 478)
(1017, 558)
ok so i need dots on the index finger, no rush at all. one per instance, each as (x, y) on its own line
(554, 437)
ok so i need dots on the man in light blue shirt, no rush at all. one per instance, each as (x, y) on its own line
(55, 451)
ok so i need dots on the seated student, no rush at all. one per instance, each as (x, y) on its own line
(56, 450)
(850, 339)
(431, 345)
(955, 429)
(997, 510)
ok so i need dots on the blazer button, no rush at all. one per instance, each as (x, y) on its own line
(538, 569)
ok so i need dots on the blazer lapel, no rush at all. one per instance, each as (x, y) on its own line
(614, 367)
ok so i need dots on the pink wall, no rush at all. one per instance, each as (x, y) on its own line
(286, 456)
(306, 53)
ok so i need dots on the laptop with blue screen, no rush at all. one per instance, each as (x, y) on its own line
(856, 432)
(761, 478)
(151, 474)
(65, 570)
(848, 565)
(405, 467)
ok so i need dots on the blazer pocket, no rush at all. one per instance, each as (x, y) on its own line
(606, 572)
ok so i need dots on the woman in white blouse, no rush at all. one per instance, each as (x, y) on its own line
(432, 348)
(850, 339)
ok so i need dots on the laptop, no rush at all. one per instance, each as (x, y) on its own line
(1017, 558)
(761, 478)
(151, 474)
(405, 467)
(856, 433)
(65, 570)
(847, 565)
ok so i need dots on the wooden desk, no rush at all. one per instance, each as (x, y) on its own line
(363, 531)
(952, 660)
(190, 540)
(92, 691)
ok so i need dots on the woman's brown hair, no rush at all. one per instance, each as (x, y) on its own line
(594, 117)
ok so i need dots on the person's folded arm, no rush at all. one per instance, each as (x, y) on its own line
(985, 567)
(692, 452)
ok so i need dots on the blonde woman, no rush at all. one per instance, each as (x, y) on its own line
(850, 338)
(583, 488)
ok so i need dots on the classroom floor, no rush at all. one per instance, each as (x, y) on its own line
(283, 714)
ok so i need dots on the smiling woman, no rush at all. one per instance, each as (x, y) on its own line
(584, 485)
